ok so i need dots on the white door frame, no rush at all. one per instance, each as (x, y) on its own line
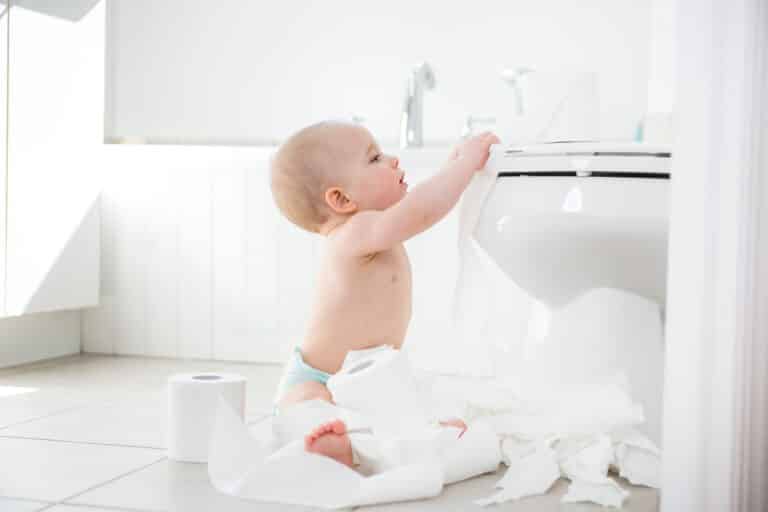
(716, 376)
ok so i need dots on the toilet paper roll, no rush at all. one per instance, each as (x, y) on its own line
(381, 385)
(192, 403)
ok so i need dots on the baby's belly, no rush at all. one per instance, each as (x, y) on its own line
(329, 339)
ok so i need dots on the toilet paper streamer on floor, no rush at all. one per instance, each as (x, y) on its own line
(398, 463)
(577, 435)
(192, 402)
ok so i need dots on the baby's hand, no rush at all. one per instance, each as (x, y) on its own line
(475, 150)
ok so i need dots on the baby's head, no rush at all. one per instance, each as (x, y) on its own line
(331, 170)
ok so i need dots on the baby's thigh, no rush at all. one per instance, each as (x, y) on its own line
(310, 390)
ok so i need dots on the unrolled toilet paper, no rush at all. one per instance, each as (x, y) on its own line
(192, 403)
(471, 296)
(404, 455)
(379, 384)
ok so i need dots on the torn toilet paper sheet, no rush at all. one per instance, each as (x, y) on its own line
(585, 462)
(404, 453)
(527, 476)
(470, 308)
(637, 458)
(605, 492)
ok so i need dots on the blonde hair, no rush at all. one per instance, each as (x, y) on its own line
(299, 176)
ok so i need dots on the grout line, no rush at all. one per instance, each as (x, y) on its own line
(47, 503)
(84, 506)
(91, 443)
(9, 371)
(53, 413)
(64, 500)
(98, 507)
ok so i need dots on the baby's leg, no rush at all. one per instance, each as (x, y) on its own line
(329, 439)
(308, 390)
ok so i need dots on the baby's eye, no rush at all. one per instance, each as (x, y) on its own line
(376, 158)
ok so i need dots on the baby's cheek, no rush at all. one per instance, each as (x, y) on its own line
(384, 190)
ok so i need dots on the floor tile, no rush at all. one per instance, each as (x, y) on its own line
(461, 496)
(16, 409)
(113, 377)
(76, 508)
(11, 505)
(172, 486)
(53, 471)
(122, 423)
(136, 421)
(121, 400)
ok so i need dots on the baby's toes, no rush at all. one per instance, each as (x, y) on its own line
(338, 427)
(315, 433)
(321, 429)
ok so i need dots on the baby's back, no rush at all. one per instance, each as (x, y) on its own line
(359, 302)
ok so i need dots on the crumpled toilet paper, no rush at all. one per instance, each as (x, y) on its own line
(604, 492)
(398, 462)
(637, 458)
(531, 474)
(578, 434)
(585, 463)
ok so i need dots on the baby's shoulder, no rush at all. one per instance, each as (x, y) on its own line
(344, 241)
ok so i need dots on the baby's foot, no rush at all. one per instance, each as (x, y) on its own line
(455, 422)
(330, 439)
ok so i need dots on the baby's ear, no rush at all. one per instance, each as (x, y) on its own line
(338, 201)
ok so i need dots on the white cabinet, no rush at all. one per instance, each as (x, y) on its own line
(50, 201)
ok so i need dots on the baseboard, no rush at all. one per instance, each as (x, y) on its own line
(37, 337)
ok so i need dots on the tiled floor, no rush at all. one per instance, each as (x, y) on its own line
(90, 439)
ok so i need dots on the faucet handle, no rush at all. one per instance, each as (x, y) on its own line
(471, 121)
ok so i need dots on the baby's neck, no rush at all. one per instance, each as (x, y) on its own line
(332, 225)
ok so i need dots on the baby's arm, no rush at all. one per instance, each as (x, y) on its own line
(377, 230)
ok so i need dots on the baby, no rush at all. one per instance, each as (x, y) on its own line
(331, 178)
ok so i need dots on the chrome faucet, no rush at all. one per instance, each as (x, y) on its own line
(411, 133)
(515, 78)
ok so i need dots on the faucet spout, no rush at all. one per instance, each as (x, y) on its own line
(411, 117)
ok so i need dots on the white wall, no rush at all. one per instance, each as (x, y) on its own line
(197, 262)
(237, 71)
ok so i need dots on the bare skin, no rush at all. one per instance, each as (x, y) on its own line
(363, 290)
